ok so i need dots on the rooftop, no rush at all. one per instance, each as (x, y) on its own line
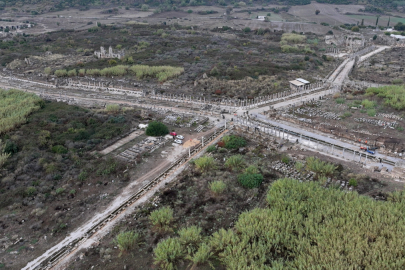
(302, 80)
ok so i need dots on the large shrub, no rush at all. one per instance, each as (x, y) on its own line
(205, 163)
(235, 162)
(161, 217)
(190, 238)
(217, 186)
(250, 180)
(168, 252)
(156, 128)
(126, 240)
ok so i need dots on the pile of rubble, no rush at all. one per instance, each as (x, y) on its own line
(311, 112)
(147, 145)
(390, 116)
(376, 122)
(289, 171)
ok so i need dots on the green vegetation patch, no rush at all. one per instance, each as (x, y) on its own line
(304, 226)
(394, 95)
(15, 106)
(293, 38)
(156, 128)
(161, 73)
(250, 180)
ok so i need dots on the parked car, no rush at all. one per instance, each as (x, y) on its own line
(180, 137)
(363, 148)
(178, 141)
(173, 134)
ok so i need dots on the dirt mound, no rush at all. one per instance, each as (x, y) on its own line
(190, 143)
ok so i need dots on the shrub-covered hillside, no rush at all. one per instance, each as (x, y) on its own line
(49, 180)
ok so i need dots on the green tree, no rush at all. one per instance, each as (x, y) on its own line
(399, 26)
(156, 128)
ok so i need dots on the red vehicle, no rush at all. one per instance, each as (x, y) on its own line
(173, 134)
(363, 148)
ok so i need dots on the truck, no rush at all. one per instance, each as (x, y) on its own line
(369, 151)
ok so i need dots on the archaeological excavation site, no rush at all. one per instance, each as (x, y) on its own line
(198, 135)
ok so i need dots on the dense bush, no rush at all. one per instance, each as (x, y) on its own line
(301, 229)
(59, 149)
(217, 187)
(393, 95)
(340, 100)
(368, 104)
(61, 73)
(168, 252)
(162, 73)
(190, 238)
(353, 182)
(112, 108)
(252, 169)
(211, 148)
(320, 167)
(156, 128)
(285, 159)
(249, 180)
(235, 162)
(15, 106)
(233, 142)
(293, 38)
(371, 112)
(10, 147)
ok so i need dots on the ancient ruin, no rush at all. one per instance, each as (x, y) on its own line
(103, 54)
